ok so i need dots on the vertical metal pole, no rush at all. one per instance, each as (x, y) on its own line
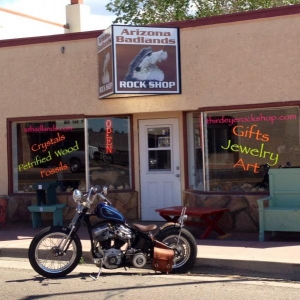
(205, 151)
(87, 155)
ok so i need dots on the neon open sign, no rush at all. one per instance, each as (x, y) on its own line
(108, 137)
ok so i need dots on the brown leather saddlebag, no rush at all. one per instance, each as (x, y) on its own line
(163, 258)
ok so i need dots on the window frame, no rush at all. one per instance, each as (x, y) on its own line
(9, 124)
(219, 109)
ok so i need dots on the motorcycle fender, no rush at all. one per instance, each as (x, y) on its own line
(58, 227)
(169, 224)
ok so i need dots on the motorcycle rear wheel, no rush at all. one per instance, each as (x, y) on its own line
(43, 253)
(185, 249)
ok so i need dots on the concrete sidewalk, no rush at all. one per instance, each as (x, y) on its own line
(239, 254)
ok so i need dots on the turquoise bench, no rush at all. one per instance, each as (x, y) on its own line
(47, 202)
(280, 211)
(37, 210)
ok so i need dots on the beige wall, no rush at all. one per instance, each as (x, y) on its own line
(236, 63)
(241, 63)
(244, 62)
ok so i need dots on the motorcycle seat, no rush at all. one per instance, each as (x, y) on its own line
(145, 228)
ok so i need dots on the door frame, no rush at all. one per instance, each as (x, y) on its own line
(176, 163)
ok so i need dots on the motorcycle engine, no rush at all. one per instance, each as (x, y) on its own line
(123, 233)
(112, 258)
(106, 232)
(108, 241)
(102, 233)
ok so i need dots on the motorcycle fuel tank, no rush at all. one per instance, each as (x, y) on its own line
(109, 213)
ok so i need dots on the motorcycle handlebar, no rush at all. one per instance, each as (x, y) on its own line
(99, 193)
(103, 197)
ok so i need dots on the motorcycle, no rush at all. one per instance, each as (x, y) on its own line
(56, 251)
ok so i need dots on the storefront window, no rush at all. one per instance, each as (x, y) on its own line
(57, 153)
(232, 150)
(109, 149)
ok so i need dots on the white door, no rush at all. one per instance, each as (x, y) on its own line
(159, 166)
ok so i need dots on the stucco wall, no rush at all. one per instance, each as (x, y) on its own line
(235, 63)
(241, 63)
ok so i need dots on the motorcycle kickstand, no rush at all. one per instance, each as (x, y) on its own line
(100, 270)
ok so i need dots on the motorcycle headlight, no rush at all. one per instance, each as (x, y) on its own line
(77, 196)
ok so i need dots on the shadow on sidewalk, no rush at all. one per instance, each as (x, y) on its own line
(18, 231)
(24, 230)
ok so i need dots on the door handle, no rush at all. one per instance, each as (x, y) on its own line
(177, 175)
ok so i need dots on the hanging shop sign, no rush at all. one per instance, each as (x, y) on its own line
(105, 63)
(138, 60)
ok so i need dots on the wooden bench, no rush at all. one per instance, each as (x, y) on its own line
(282, 211)
(37, 210)
(46, 202)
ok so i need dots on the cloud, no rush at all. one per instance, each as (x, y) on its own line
(100, 22)
(12, 26)
(98, 7)
(100, 17)
(52, 10)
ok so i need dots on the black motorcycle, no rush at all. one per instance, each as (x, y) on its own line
(56, 251)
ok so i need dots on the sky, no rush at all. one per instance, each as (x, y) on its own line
(12, 26)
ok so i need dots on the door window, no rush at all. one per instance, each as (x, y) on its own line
(159, 148)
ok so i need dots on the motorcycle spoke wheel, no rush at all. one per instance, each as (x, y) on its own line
(182, 249)
(46, 259)
(184, 246)
(47, 256)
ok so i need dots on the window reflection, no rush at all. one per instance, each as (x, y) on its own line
(54, 152)
(160, 160)
(237, 144)
(46, 153)
(110, 163)
(159, 151)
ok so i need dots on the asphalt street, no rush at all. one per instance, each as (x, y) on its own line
(22, 283)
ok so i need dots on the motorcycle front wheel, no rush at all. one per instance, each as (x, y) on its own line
(47, 257)
(185, 247)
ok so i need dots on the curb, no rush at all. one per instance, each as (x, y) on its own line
(213, 266)
(249, 268)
